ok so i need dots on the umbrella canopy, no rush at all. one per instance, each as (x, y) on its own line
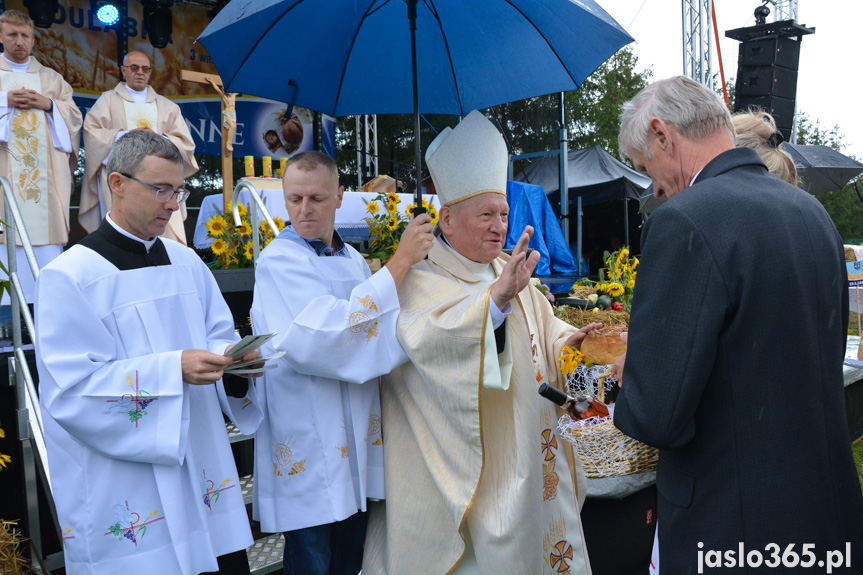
(821, 168)
(592, 173)
(356, 58)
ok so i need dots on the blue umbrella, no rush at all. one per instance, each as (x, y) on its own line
(403, 56)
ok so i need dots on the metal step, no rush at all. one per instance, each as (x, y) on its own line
(234, 434)
(246, 486)
(265, 555)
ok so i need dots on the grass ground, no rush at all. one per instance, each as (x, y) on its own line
(857, 450)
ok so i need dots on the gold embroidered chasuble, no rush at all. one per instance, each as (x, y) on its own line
(40, 174)
(460, 455)
(116, 111)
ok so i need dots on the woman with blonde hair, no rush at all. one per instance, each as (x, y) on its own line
(757, 129)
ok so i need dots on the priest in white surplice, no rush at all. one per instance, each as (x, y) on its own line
(131, 332)
(39, 132)
(319, 452)
(477, 479)
(131, 105)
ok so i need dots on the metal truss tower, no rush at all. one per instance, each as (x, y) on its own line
(367, 148)
(698, 41)
(784, 10)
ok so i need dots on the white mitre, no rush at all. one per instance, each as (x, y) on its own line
(468, 160)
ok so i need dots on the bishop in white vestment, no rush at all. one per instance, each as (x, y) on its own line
(142, 472)
(131, 105)
(477, 479)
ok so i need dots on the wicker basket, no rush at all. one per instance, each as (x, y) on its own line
(603, 449)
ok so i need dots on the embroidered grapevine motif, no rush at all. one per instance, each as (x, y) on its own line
(550, 480)
(558, 551)
(134, 404)
(375, 428)
(129, 524)
(359, 321)
(211, 493)
(368, 303)
(284, 457)
(24, 126)
(344, 450)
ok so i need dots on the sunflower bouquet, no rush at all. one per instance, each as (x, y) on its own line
(616, 280)
(233, 245)
(386, 224)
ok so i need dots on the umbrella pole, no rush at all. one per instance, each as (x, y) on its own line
(418, 197)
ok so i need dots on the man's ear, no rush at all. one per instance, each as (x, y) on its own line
(657, 129)
(115, 183)
(446, 220)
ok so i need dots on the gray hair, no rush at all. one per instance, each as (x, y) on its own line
(129, 151)
(693, 110)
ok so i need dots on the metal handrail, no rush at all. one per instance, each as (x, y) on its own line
(256, 202)
(31, 431)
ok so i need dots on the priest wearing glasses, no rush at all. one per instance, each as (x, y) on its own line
(132, 105)
(132, 333)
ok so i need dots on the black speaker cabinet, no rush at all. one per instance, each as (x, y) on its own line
(784, 52)
(773, 81)
(782, 109)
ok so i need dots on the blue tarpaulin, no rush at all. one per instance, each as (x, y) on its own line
(529, 206)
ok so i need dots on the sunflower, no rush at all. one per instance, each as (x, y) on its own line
(394, 247)
(630, 284)
(249, 251)
(433, 214)
(373, 207)
(219, 246)
(217, 226)
(392, 207)
(245, 228)
(280, 223)
(410, 209)
(615, 289)
(392, 223)
(242, 209)
(392, 197)
(569, 359)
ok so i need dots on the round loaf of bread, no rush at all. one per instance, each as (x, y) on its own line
(602, 346)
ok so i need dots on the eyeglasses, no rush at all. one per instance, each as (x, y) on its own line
(135, 68)
(163, 194)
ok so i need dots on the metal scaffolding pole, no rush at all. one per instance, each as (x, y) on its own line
(698, 41)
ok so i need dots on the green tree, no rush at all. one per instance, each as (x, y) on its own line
(844, 206)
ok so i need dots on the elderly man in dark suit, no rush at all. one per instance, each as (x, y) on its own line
(736, 343)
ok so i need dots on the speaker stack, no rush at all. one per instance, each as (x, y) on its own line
(767, 69)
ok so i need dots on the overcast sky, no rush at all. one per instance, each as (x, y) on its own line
(830, 76)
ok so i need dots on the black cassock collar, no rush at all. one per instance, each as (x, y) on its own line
(124, 252)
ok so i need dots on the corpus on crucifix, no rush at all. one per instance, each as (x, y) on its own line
(229, 126)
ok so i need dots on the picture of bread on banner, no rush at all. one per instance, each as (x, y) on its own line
(285, 134)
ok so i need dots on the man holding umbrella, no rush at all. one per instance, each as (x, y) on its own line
(476, 479)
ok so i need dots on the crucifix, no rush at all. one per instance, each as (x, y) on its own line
(229, 127)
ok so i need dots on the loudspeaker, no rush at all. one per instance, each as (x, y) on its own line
(767, 79)
(767, 70)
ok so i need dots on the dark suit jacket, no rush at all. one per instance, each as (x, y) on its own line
(734, 371)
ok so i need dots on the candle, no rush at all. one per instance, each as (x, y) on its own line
(267, 163)
(250, 166)
(282, 167)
